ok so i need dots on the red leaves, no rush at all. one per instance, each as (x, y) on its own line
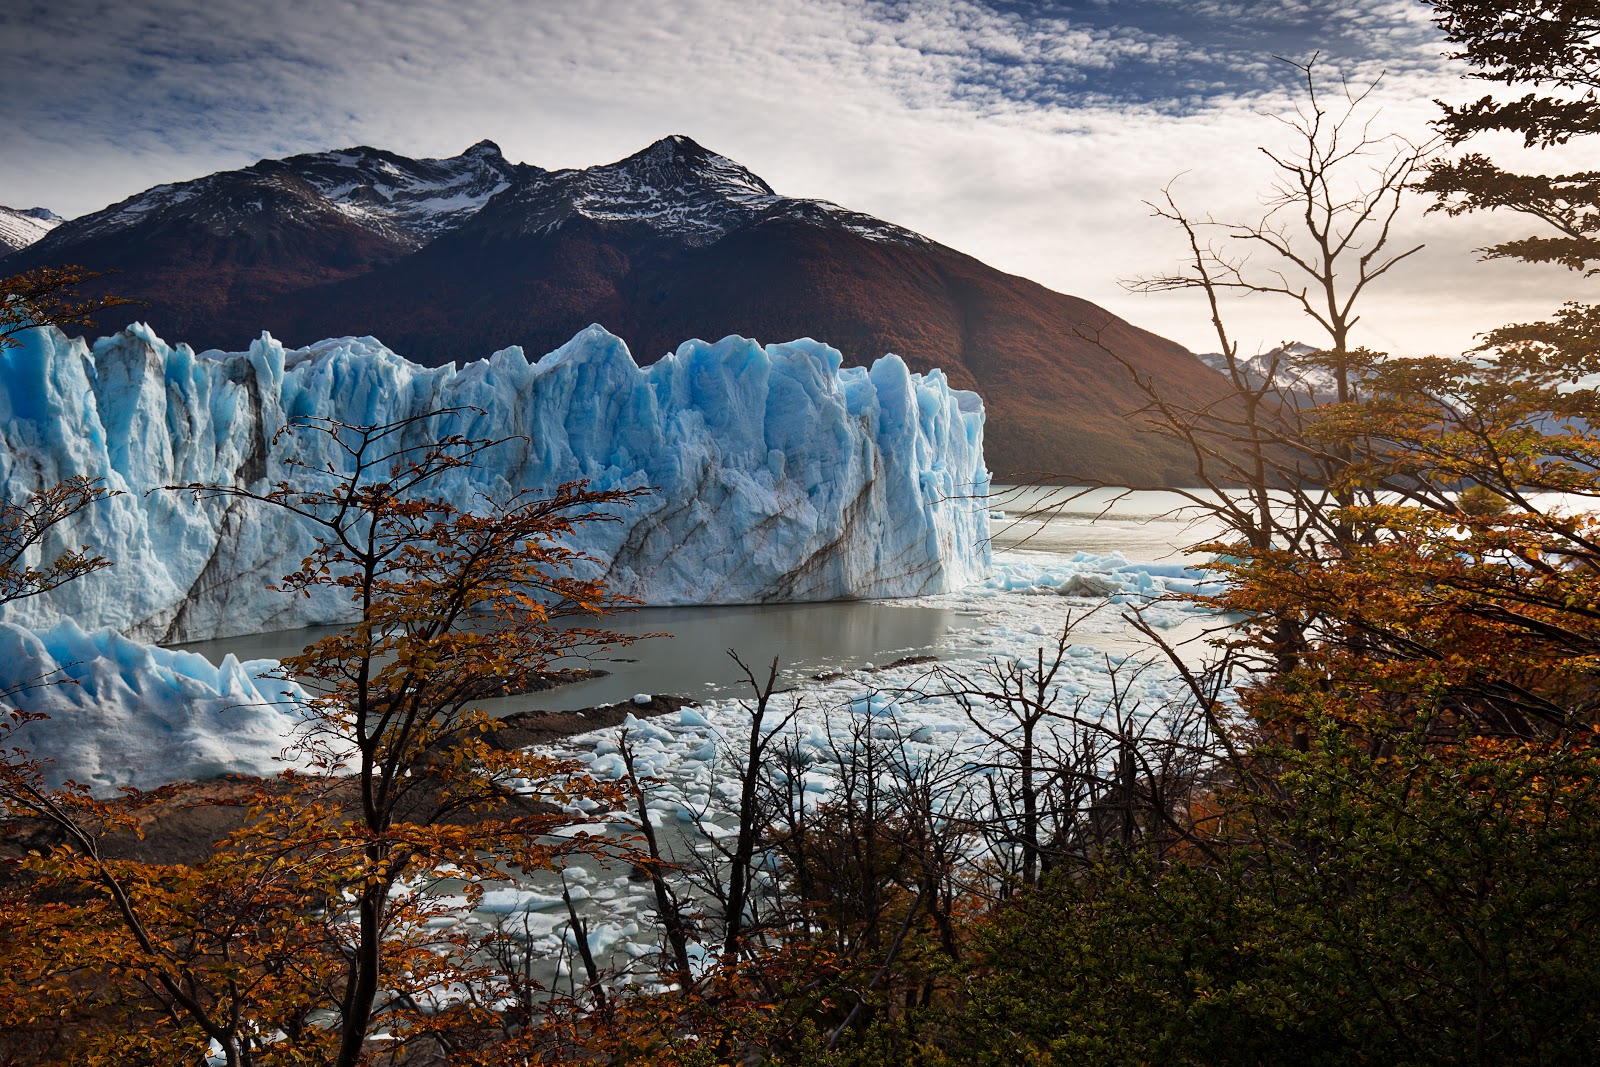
(277, 944)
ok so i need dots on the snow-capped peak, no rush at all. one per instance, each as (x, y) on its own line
(484, 149)
(421, 198)
(675, 156)
(409, 201)
(675, 187)
(1287, 367)
(21, 227)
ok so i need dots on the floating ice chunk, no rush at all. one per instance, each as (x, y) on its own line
(644, 729)
(610, 765)
(121, 712)
(515, 899)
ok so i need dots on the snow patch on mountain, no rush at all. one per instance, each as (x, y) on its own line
(1289, 370)
(421, 198)
(782, 476)
(20, 228)
(675, 187)
(409, 201)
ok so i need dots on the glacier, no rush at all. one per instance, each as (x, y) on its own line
(780, 474)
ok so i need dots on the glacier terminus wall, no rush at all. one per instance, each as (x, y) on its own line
(780, 475)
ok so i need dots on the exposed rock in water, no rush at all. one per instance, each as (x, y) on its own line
(870, 668)
(525, 729)
(1089, 585)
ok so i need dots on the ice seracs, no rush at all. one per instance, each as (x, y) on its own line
(780, 475)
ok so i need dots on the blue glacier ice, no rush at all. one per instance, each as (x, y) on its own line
(782, 475)
(121, 712)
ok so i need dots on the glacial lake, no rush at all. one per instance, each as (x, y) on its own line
(812, 639)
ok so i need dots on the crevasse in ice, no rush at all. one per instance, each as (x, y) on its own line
(781, 475)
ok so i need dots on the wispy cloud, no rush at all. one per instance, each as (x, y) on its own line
(1025, 133)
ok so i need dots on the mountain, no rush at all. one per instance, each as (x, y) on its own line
(403, 201)
(21, 228)
(210, 256)
(1296, 379)
(452, 259)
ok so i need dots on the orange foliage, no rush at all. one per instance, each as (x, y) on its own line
(322, 920)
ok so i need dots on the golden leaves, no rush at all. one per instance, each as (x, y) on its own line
(48, 296)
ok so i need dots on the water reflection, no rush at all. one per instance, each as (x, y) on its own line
(806, 638)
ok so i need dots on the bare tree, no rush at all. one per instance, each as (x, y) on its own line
(1068, 776)
(1326, 237)
(671, 908)
(1326, 234)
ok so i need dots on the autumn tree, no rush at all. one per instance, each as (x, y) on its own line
(48, 296)
(1488, 593)
(319, 921)
(1399, 859)
(453, 607)
(26, 529)
(1327, 238)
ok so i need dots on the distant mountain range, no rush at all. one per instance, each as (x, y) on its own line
(452, 259)
(1295, 379)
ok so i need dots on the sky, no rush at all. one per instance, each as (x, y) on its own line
(1030, 135)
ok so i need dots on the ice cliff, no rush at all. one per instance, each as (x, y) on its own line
(782, 476)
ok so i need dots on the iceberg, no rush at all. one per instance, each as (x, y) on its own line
(780, 475)
(124, 713)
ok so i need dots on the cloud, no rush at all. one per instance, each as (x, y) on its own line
(1025, 133)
